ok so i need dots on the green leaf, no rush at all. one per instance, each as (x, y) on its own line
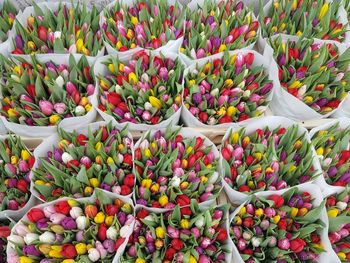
(82, 177)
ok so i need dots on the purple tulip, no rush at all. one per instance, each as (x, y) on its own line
(296, 201)
(322, 102)
(281, 60)
(57, 154)
(197, 98)
(79, 236)
(266, 88)
(314, 22)
(131, 251)
(68, 223)
(345, 178)
(12, 182)
(42, 223)
(31, 250)
(121, 218)
(332, 171)
(283, 156)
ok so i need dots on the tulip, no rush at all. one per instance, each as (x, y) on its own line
(46, 107)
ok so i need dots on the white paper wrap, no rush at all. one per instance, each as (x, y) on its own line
(272, 123)
(53, 140)
(100, 69)
(22, 19)
(325, 257)
(88, 200)
(259, 60)
(343, 124)
(193, 6)
(45, 131)
(284, 103)
(171, 46)
(225, 216)
(16, 214)
(189, 133)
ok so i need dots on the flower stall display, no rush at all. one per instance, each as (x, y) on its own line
(338, 210)
(284, 226)
(16, 161)
(130, 26)
(5, 231)
(323, 19)
(267, 155)
(39, 93)
(331, 142)
(144, 91)
(179, 235)
(214, 26)
(59, 28)
(75, 162)
(313, 77)
(92, 229)
(8, 12)
(229, 87)
(174, 166)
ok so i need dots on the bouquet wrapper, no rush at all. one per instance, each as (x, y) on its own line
(45, 131)
(90, 200)
(192, 121)
(271, 122)
(193, 6)
(285, 104)
(100, 69)
(170, 46)
(17, 214)
(53, 6)
(325, 257)
(189, 133)
(221, 207)
(344, 123)
(50, 142)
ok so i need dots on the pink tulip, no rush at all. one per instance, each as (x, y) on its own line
(60, 108)
(46, 107)
(23, 166)
(70, 87)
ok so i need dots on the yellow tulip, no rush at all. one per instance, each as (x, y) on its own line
(12, 113)
(140, 260)
(276, 219)
(323, 11)
(109, 220)
(242, 211)
(99, 218)
(79, 44)
(160, 232)
(235, 137)
(132, 78)
(54, 119)
(94, 182)
(320, 151)
(155, 102)
(332, 212)
(259, 212)
(189, 149)
(111, 68)
(231, 111)
(163, 200)
(119, 45)
(294, 212)
(24, 259)
(184, 223)
(192, 259)
(222, 48)
(81, 248)
(14, 160)
(295, 85)
(146, 183)
(110, 160)
(134, 20)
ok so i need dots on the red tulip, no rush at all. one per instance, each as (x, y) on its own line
(113, 98)
(142, 214)
(177, 244)
(297, 245)
(170, 253)
(35, 214)
(82, 139)
(62, 207)
(129, 180)
(69, 251)
(102, 232)
(42, 33)
(183, 200)
(31, 90)
(111, 38)
(111, 210)
(22, 185)
(128, 159)
(5, 231)
(278, 200)
(249, 58)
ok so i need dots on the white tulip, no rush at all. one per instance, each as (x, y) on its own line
(79, 110)
(75, 212)
(57, 34)
(94, 255)
(148, 106)
(256, 242)
(342, 205)
(66, 157)
(112, 233)
(82, 222)
(199, 222)
(30, 238)
(60, 81)
(15, 241)
(47, 237)
(213, 178)
(175, 181)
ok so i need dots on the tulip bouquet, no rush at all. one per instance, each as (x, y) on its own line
(68, 230)
(283, 227)
(151, 24)
(58, 28)
(232, 87)
(217, 26)
(145, 90)
(8, 14)
(315, 74)
(180, 235)
(44, 93)
(5, 231)
(267, 159)
(174, 166)
(75, 163)
(332, 148)
(309, 18)
(15, 164)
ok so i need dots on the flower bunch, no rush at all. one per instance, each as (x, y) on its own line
(172, 169)
(346, 4)
(227, 89)
(149, 24)
(279, 228)
(332, 148)
(42, 94)
(316, 74)
(8, 14)
(338, 210)
(146, 90)
(308, 18)
(215, 27)
(66, 30)
(72, 231)
(180, 235)
(80, 163)
(15, 164)
(5, 231)
(267, 159)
